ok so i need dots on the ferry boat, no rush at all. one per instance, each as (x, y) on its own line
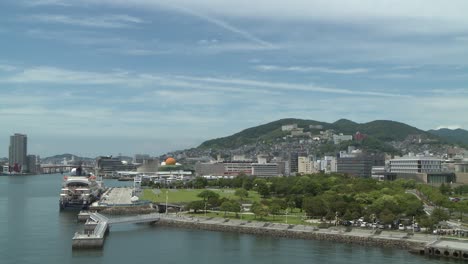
(78, 191)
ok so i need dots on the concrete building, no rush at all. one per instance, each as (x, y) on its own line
(378, 173)
(204, 169)
(139, 158)
(262, 159)
(337, 139)
(315, 126)
(148, 165)
(419, 168)
(293, 163)
(461, 172)
(33, 164)
(412, 165)
(327, 165)
(18, 152)
(360, 165)
(234, 168)
(107, 165)
(265, 169)
(305, 165)
(288, 127)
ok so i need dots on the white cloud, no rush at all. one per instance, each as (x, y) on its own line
(301, 69)
(106, 21)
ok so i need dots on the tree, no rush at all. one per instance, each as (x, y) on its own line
(200, 183)
(259, 210)
(208, 194)
(438, 215)
(262, 187)
(276, 206)
(445, 189)
(386, 216)
(230, 206)
(196, 205)
(314, 206)
(209, 197)
(241, 193)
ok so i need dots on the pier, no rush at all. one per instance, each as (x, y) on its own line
(456, 249)
(97, 227)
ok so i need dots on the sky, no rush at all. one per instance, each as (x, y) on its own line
(103, 77)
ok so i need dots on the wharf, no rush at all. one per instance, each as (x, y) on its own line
(97, 227)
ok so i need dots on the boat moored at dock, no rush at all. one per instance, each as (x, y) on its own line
(79, 191)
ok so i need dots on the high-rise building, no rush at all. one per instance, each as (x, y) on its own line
(18, 152)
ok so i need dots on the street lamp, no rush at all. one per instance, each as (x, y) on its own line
(287, 215)
(167, 193)
(205, 207)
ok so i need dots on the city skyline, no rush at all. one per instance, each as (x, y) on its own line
(105, 77)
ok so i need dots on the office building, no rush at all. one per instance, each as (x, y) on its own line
(415, 165)
(360, 165)
(265, 169)
(18, 150)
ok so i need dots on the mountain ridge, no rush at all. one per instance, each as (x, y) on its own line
(380, 130)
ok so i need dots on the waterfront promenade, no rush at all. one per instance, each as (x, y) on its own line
(419, 243)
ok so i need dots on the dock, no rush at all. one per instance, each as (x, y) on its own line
(97, 227)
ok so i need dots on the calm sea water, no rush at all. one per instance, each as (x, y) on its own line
(32, 230)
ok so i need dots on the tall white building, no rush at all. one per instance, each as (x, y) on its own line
(18, 152)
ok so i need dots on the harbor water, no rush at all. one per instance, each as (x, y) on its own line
(33, 230)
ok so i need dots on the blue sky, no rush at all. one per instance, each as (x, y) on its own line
(96, 77)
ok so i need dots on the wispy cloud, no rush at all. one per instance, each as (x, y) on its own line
(290, 86)
(223, 24)
(106, 21)
(7, 68)
(302, 69)
(34, 3)
(44, 74)
(392, 76)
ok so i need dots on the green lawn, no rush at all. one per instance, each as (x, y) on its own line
(292, 219)
(188, 195)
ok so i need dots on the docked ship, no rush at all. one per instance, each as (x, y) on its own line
(79, 190)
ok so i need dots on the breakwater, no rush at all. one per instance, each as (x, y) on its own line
(340, 235)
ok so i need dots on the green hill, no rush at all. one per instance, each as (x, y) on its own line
(454, 136)
(384, 130)
(266, 132)
(380, 131)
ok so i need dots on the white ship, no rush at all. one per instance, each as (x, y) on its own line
(79, 191)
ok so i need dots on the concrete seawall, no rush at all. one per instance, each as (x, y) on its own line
(399, 240)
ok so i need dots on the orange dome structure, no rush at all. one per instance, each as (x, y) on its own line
(170, 161)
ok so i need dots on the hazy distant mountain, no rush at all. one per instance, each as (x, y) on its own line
(379, 130)
(384, 130)
(61, 157)
(455, 136)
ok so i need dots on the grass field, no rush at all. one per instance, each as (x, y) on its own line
(292, 219)
(188, 195)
